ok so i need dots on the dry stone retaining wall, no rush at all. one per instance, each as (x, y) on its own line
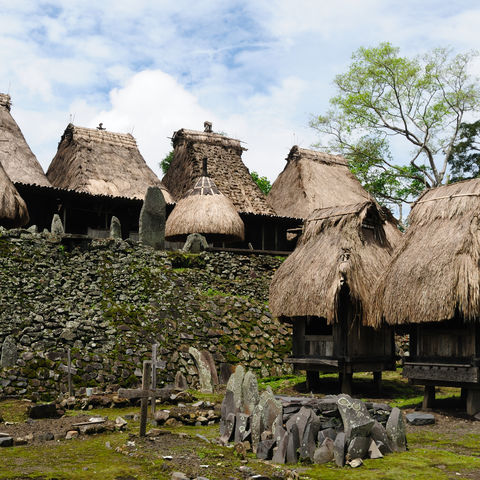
(111, 301)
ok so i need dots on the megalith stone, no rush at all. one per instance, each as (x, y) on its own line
(264, 414)
(9, 352)
(358, 447)
(195, 243)
(293, 445)
(57, 226)
(207, 358)
(324, 453)
(204, 373)
(250, 396)
(379, 435)
(180, 381)
(357, 422)
(152, 219)
(280, 452)
(115, 228)
(339, 449)
(234, 384)
(396, 431)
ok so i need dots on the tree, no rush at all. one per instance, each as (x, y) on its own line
(465, 157)
(262, 182)
(165, 163)
(383, 95)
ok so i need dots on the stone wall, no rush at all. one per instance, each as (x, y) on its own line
(110, 301)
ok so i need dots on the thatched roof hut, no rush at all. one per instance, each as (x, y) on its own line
(435, 275)
(313, 180)
(225, 167)
(205, 210)
(13, 211)
(346, 245)
(17, 159)
(102, 163)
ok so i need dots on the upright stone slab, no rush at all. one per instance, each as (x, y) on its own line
(115, 229)
(250, 396)
(357, 422)
(224, 372)
(204, 374)
(180, 381)
(280, 452)
(234, 384)
(325, 453)
(379, 435)
(242, 421)
(9, 352)
(293, 445)
(56, 227)
(358, 448)
(207, 358)
(396, 430)
(195, 243)
(339, 449)
(152, 219)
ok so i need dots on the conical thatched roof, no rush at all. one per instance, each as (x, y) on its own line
(313, 180)
(102, 162)
(16, 157)
(225, 167)
(350, 245)
(205, 210)
(13, 211)
(435, 275)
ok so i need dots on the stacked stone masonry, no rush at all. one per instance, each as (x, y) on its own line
(111, 301)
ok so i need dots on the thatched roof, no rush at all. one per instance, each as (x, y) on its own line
(225, 166)
(313, 180)
(102, 162)
(13, 211)
(16, 157)
(205, 210)
(350, 244)
(435, 275)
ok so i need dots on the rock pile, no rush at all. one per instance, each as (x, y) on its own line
(288, 429)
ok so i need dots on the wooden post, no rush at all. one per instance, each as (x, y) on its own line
(154, 375)
(346, 385)
(313, 380)
(473, 401)
(377, 382)
(146, 377)
(69, 373)
(428, 397)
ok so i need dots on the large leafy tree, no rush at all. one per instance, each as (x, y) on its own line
(383, 95)
(465, 156)
(262, 182)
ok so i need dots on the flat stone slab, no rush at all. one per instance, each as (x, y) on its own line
(420, 418)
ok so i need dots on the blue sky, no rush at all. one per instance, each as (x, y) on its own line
(257, 69)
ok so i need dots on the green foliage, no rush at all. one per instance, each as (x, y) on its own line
(465, 156)
(382, 95)
(165, 163)
(262, 182)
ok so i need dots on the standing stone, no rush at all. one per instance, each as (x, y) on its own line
(152, 219)
(234, 384)
(195, 243)
(264, 449)
(356, 419)
(301, 419)
(228, 429)
(396, 430)
(280, 452)
(210, 362)
(293, 445)
(225, 371)
(308, 442)
(204, 373)
(228, 404)
(358, 448)
(9, 352)
(241, 426)
(379, 435)
(180, 381)
(339, 449)
(250, 396)
(57, 226)
(115, 228)
(325, 453)
(272, 410)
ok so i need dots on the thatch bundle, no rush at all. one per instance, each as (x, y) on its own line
(348, 245)
(226, 169)
(435, 275)
(102, 163)
(205, 210)
(17, 159)
(13, 211)
(313, 180)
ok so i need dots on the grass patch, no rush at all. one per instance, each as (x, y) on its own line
(13, 410)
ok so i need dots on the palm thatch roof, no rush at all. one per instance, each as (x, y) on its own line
(16, 157)
(347, 245)
(13, 211)
(102, 163)
(226, 169)
(313, 180)
(435, 275)
(204, 209)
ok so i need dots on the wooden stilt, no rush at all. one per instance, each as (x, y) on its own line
(346, 385)
(473, 401)
(312, 380)
(377, 382)
(428, 397)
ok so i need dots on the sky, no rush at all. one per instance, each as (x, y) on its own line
(258, 69)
